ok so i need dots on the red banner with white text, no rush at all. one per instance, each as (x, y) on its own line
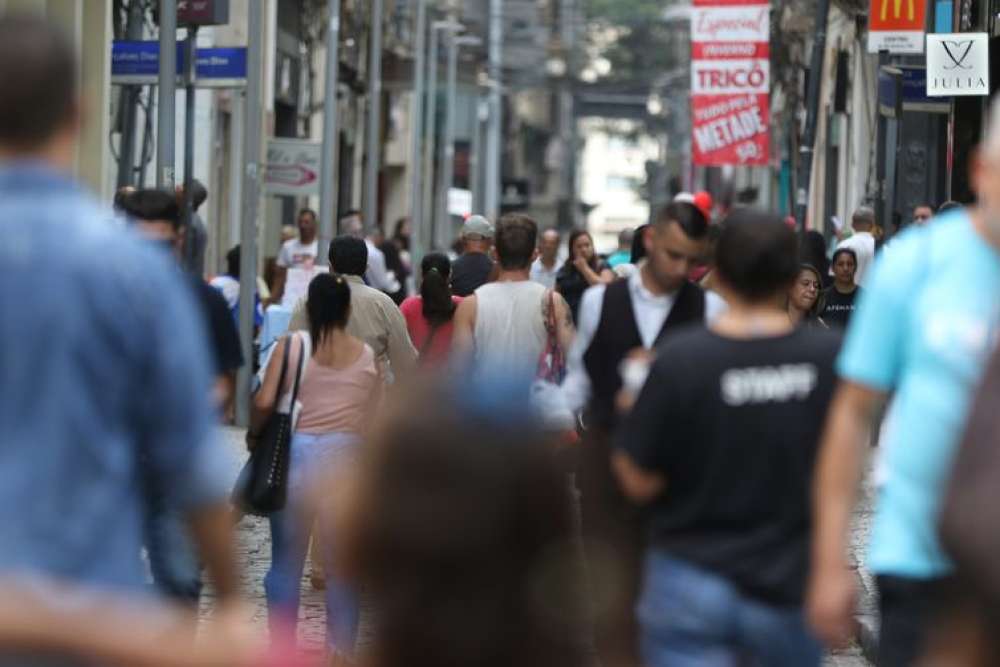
(730, 82)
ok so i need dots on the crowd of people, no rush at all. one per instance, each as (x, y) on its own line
(645, 459)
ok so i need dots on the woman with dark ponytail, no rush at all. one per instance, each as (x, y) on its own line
(429, 315)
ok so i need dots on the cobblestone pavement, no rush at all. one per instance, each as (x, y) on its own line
(254, 554)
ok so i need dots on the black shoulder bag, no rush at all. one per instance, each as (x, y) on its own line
(262, 487)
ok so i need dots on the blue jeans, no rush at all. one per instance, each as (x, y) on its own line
(692, 618)
(312, 457)
(173, 561)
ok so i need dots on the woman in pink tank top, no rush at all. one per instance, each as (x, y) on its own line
(339, 388)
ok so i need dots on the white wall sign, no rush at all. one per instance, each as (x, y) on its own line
(460, 202)
(293, 167)
(958, 64)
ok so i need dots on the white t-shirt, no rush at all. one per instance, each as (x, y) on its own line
(543, 275)
(295, 254)
(863, 245)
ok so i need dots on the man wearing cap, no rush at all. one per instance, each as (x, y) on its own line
(473, 269)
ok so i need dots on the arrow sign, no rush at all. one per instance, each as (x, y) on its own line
(291, 175)
(293, 167)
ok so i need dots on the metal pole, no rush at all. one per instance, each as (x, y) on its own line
(416, 109)
(129, 101)
(237, 116)
(448, 148)
(251, 200)
(430, 125)
(448, 159)
(812, 114)
(190, 60)
(331, 130)
(475, 158)
(492, 199)
(430, 132)
(167, 89)
(374, 119)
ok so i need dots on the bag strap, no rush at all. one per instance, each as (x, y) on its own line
(550, 316)
(284, 367)
(303, 360)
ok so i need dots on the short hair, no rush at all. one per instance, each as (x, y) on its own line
(198, 194)
(328, 305)
(233, 261)
(515, 239)
(639, 244)
(625, 237)
(863, 216)
(757, 254)
(691, 220)
(38, 79)
(844, 251)
(349, 255)
(307, 211)
(151, 204)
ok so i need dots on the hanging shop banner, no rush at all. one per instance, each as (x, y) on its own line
(730, 82)
(897, 26)
(958, 64)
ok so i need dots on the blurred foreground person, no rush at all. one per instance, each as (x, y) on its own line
(459, 527)
(155, 215)
(969, 632)
(45, 617)
(338, 388)
(719, 450)
(105, 372)
(430, 315)
(927, 343)
(620, 325)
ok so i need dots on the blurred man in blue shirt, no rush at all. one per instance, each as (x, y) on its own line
(105, 373)
(922, 332)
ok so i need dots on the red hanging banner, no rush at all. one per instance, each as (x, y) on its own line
(730, 82)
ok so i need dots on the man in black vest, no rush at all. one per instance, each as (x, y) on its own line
(618, 327)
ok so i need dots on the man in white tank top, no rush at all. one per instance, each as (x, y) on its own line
(501, 327)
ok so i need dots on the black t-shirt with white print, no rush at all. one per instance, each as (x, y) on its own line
(733, 425)
(838, 307)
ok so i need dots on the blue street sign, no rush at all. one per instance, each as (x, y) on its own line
(135, 62)
(913, 89)
(222, 63)
(137, 58)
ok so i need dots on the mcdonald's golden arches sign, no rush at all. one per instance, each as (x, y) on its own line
(897, 26)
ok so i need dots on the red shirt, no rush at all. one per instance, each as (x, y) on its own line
(420, 329)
